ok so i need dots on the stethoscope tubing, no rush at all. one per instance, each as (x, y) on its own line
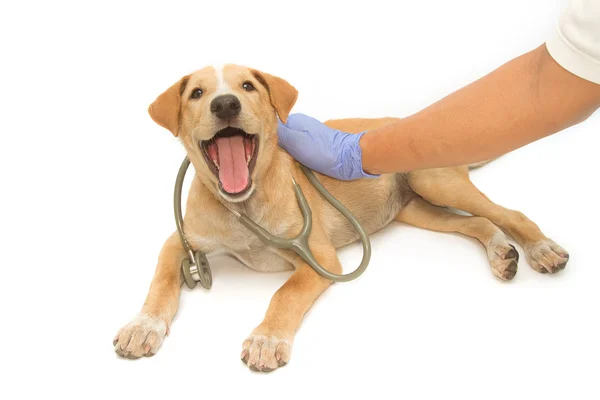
(196, 267)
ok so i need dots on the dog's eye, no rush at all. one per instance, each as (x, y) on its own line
(196, 93)
(248, 87)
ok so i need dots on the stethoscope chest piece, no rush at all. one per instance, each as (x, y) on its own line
(196, 269)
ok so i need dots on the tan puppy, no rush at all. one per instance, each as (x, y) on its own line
(226, 118)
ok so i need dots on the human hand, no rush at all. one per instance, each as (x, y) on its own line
(323, 149)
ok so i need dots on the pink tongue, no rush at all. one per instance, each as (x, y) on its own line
(233, 170)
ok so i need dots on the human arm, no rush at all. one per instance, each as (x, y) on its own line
(533, 96)
(524, 100)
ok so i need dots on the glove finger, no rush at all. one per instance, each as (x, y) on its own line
(302, 122)
(293, 139)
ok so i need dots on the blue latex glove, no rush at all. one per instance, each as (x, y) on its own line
(322, 149)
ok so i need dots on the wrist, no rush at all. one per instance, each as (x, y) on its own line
(357, 169)
(364, 145)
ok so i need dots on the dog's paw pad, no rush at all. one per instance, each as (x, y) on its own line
(140, 337)
(546, 256)
(503, 257)
(265, 353)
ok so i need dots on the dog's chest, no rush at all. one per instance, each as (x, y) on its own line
(257, 255)
(238, 240)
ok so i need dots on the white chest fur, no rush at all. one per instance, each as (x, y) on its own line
(244, 245)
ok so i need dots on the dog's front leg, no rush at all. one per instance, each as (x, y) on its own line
(145, 333)
(269, 346)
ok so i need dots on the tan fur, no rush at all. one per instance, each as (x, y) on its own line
(283, 95)
(165, 110)
(416, 198)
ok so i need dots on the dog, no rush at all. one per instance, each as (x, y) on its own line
(227, 118)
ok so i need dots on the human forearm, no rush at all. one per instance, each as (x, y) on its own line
(524, 100)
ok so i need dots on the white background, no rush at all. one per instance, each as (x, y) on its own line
(86, 204)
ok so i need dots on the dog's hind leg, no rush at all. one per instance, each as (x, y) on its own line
(451, 187)
(145, 333)
(503, 257)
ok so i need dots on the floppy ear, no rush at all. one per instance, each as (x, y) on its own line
(166, 109)
(283, 95)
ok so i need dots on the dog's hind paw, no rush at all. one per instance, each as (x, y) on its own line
(546, 256)
(503, 257)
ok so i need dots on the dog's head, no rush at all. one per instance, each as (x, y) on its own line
(226, 118)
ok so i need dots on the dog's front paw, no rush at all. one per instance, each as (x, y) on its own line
(141, 337)
(266, 352)
(546, 256)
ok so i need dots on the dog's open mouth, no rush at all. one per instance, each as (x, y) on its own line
(231, 156)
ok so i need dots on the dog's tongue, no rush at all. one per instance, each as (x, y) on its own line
(233, 169)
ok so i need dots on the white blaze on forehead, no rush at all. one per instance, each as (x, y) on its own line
(222, 86)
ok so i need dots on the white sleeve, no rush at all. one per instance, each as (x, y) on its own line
(575, 43)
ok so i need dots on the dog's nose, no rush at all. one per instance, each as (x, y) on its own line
(225, 106)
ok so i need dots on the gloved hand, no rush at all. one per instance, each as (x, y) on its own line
(322, 149)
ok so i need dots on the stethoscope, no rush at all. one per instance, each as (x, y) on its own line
(196, 268)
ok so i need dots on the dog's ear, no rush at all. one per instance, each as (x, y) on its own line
(283, 95)
(166, 109)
